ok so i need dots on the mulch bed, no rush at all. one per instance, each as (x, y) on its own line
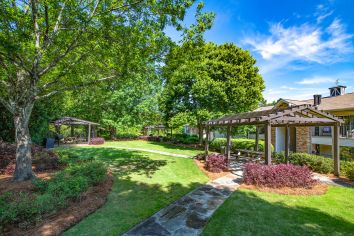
(211, 175)
(54, 224)
(318, 189)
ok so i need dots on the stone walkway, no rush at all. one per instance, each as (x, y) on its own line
(189, 215)
(330, 181)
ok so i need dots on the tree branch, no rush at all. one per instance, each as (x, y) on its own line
(126, 5)
(7, 105)
(63, 72)
(74, 87)
(73, 44)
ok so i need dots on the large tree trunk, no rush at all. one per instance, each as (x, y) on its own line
(23, 169)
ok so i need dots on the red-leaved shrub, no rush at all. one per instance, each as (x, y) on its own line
(216, 163)
(96, 141)
(277, 176)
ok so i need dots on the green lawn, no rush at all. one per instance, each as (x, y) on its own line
(256, 213)
(144, 183)
(157, 146)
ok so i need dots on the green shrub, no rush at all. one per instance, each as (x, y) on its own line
(50, 194)
(94, 171)
(185, 138)
(316, 163)
(248, 144)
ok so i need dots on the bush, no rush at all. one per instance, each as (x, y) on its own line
(185, 138)
(96, 141)
(51, 194)
(350, 172)
(320, 164)
(200, 156)
(247, 144)
(277, 176)
(125, 136)
(45, 161)
(216, 163)
(316, 163)
(94, 171)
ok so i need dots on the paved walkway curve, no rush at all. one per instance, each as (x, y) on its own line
(152, 151)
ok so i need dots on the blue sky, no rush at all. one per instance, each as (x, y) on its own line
(301, 46)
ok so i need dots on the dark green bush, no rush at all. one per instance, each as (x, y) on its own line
(318, 164)
(185, 138)
(51, 194)
(248, 144)
(94, 171)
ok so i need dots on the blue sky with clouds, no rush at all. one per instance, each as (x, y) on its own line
(301, 46)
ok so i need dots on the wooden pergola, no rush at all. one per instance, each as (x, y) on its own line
(296, 116)
(150, 128)
(71, 121)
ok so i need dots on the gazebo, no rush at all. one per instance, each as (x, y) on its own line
(71, 121)
(150, 128)
(296, 116)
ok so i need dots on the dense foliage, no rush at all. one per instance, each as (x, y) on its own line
(216, 163)
(50, 195)
(317, 163)
(277, 176)
(206, 80)
(248, 144)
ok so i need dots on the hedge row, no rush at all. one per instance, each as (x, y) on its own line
(318, 164)
(248, 144)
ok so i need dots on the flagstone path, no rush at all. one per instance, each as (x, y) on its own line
(188, 215)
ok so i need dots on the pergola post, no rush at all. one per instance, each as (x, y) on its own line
(89, 134)
(335, 149)
(207, 140)
(228, 142)
(268, 144)
(287, 144)
(256, 147)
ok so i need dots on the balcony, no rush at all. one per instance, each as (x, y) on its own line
(323, 135)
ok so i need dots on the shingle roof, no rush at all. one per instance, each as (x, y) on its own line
(343, 102)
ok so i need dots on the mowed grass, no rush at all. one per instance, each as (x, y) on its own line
(256, 213)
(143, 184)
(156, 146)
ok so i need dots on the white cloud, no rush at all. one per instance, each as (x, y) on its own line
(322, 12)
(306, 42)
(317, 80)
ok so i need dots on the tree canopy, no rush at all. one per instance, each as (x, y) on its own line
(206, 80)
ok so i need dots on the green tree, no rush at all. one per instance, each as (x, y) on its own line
(206, 80)
(48, 47)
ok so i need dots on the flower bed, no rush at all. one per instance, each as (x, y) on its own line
(216, 163)
(278, 176)
(96, 141)
(317, 163)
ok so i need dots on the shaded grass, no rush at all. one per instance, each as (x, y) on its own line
(143, 184)
(257, 213)
(157, 146)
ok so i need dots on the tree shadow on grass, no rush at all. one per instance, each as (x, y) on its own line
(121, 162)
(245, 213)
(129, 203)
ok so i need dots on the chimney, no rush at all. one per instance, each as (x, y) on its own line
(317, 99)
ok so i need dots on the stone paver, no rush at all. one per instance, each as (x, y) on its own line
(189, 215)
